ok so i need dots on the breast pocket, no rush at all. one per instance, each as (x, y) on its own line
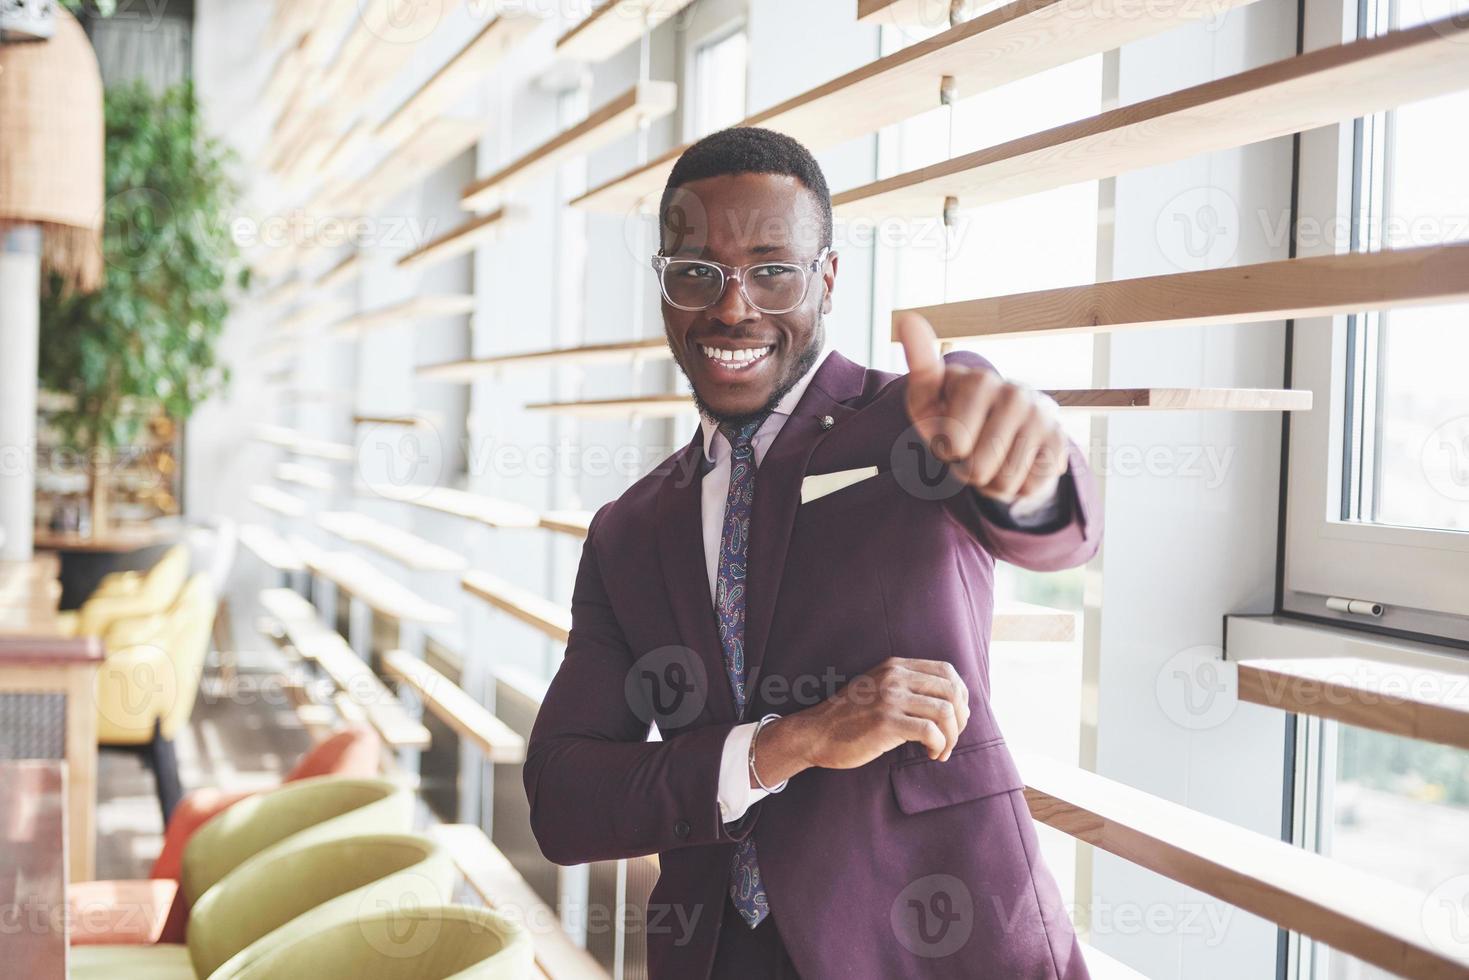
(972, 772)
(849, 495)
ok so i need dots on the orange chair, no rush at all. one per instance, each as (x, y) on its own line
(152, 910)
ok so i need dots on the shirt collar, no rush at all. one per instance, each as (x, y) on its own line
(785, 406)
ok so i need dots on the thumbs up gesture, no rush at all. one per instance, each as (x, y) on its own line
(1003, 439)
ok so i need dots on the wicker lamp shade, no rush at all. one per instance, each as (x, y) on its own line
(51, 148)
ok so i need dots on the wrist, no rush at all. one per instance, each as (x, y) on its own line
(781, 750)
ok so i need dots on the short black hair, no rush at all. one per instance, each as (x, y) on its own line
(750, 150)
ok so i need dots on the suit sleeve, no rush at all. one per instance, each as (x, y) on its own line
(598, 789)
(1071, 544)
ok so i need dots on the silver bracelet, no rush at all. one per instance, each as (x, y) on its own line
(755, 737)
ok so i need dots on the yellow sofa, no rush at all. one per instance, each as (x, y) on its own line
(129, 595)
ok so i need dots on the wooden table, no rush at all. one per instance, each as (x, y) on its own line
(33, 857)
(36, 661)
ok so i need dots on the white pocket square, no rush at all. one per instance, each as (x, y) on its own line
(821, 484)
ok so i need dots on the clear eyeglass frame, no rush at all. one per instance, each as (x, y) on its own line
(661, 264)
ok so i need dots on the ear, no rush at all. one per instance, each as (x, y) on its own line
(829, 278)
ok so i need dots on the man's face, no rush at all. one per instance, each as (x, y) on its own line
(738, 220)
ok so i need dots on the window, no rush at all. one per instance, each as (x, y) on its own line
(719, 82)
(1378, 504)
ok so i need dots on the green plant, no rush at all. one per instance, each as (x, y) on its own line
(145, 342)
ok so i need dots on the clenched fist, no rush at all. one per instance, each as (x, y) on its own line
(1003, 439)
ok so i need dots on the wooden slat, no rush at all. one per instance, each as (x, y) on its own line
(613, 26)
(489, 511)
(343, 272)
(1022, 622)
(304, 476)
(270, 548)
(484, 51)
(461, 239)
(643, 102)
(502, 888)
(400, 421)
(472, 720)
(1373, 919)
(415, 308)
(329, 651)
(1314, 89)
(1012, 42)
(433, 145)
(1081, 399)
(524, 605)
(403, 547)
(573, 522)
(383, 594)
(1326, 285)
(304, 445)
(1399, 699)
(469, 370)
(312, 315)
(277, 501)
(915, 13)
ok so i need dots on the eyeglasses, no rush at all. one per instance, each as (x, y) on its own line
(694, 285)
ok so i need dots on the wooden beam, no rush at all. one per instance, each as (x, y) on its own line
(403, 547)
(1022, 622)
(1318, 88)
(490, 511)
(397, 421)
(1327, 285)
(1083, 399)
(491, 875)
(430, 147)
(573, 522)
(384, 594)
(1015, 41)
(1398, 699)
(1373, 919)
(915, 13)
(524, 605)
(343, 272)
(643, 102)
(650, 347)
(270, 548)
(423, 307)
(277, 501)
(304, 445)
(483, 53)
(445, 699)
(304, 476)
(461, 239)
(613, 26)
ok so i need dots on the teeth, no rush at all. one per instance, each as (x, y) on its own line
(738, 359)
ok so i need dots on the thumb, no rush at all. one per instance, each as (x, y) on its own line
(925, 365)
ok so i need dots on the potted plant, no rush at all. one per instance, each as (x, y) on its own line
(144, 344)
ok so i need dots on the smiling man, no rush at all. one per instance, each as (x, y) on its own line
(799, 601)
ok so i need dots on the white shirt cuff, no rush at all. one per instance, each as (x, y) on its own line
(736, 795)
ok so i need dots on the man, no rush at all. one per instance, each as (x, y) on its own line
(830, 795)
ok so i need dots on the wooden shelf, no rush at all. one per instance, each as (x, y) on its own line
(303, 445)
(489, 511)
(1022, 622)
(304, 476)
(383, 594)
(270, 548)
(465, 371)
(643, 102)
(277, 501)
(343, 272)
(1314, 89)
(1370, 918)
(1410, 701)
(524, 605)
(403, 547)
(434, 144)
(913, 13)
(491, 876)
(613, 26)
(1289, 289)
(1081, 399)
(416, 308)
(398, 421)
(472, 720)
(572, 522)
(483, 53)
(1011, 42)
(457, 241)
(304, 630)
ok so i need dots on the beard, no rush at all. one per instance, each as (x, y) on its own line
(798, 370)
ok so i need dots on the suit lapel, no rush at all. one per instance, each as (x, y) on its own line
(778, 495)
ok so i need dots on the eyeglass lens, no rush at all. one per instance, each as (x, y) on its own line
(773, 287)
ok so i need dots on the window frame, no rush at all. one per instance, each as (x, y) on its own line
(1416, 573)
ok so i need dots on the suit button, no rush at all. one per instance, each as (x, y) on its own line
(681, 829)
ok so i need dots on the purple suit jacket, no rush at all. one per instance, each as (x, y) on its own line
(904, 867)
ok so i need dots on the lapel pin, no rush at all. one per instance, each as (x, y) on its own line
(827, 421)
